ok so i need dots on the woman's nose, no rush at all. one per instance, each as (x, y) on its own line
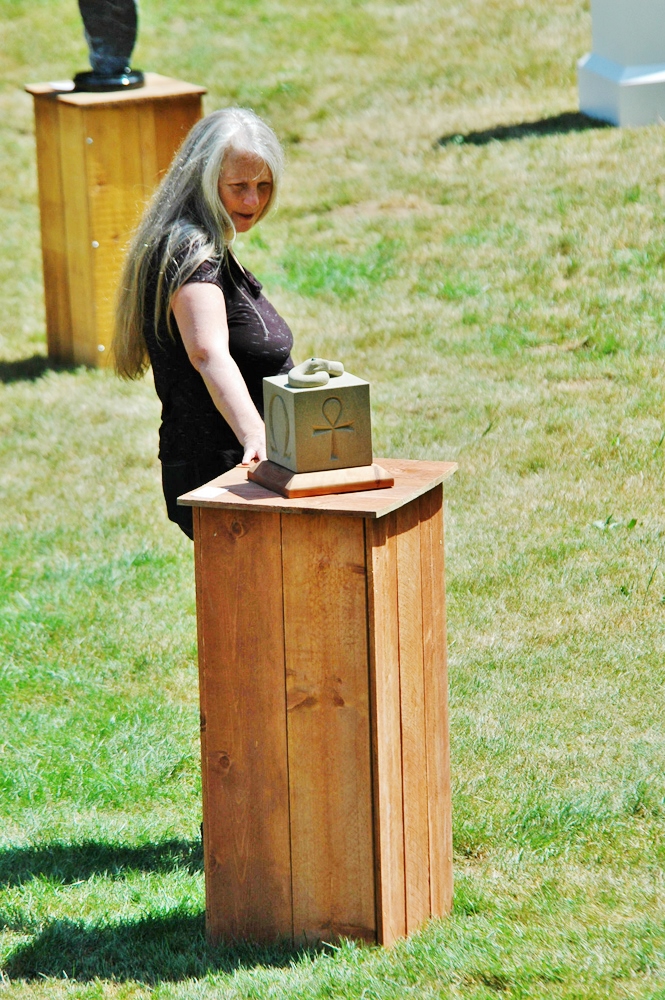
(251, 197)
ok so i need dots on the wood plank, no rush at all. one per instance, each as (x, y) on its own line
(436, 702)
(174, 118)
(412, 479)
(386, 728)
(328, 728)
(148, 139)
(80, 282)
(414, 755)
(241, 662)
(132, 146)
(156, 86)
(52, 216)
(199, 573)
(117, 196)
(314, 484)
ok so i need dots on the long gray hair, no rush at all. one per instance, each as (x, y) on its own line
(186, 224)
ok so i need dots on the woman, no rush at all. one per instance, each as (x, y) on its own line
(190, 309)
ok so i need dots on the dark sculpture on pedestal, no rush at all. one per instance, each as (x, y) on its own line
(110, 31)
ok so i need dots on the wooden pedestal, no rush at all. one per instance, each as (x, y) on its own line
(324, 726)
(99, 158)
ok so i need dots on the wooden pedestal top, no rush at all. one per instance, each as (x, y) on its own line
(412, 479)
(155, 87)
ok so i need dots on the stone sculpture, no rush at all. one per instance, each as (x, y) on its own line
(318, 433)
(110, 30)
(314, 371)
(317, 418)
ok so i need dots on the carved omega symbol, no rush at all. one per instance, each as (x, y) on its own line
(332, 411)
(280, 433)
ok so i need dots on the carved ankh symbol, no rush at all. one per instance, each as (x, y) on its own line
(332, 411)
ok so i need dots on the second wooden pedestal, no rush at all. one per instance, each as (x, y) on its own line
(99, 158)
(322, 652)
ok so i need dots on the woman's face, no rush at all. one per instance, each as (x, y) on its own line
(245, 186)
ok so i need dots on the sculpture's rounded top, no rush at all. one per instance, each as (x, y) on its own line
(314, 372)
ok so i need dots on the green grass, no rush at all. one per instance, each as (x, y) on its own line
(502, 290)
(338, 276)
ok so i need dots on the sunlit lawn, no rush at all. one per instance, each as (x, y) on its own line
(505, 299)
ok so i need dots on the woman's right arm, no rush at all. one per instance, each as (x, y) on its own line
(200, 312)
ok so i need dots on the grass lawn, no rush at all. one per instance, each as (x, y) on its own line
(502, 290)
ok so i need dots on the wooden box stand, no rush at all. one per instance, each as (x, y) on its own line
(99, 158)
(322, 655)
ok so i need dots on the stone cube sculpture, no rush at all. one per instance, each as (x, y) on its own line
(318, 428)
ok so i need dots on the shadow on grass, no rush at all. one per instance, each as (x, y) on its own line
(158, 949)
(165, 948)
(30, 369)
(570, 121)
(68, 863)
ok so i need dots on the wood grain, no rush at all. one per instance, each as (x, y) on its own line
(78, 238)
(412, 479)
(117, 196)
(436, 702)
(386, 728)
(201, 624)
(150, 172)
(328, 728)
(241, 660)
(414, 756)
(54, 250)
(173, 120)
(312, 484)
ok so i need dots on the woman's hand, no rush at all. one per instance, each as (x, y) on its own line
(255, 449)
(200, 312)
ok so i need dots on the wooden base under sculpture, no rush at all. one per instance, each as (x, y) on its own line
(315, 484)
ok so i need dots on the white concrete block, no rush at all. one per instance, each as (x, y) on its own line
(623, 80)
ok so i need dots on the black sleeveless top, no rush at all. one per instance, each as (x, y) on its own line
(260, 343)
